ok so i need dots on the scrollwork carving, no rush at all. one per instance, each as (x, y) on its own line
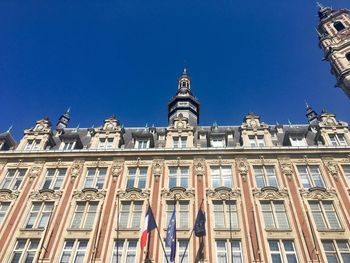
(89, 195)
(199, 167)
(332, 167)
(270, 193)
(45, 195)
(287, 168)
(178, 193)
(223, 193)
(318, 194)
(242, 167)
(76, 168)
(133, 194)
(117, 168)
(157, 167)
(7, 195)
(36, 170)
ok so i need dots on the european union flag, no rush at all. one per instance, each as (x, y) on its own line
(170, 240)
(199, 225)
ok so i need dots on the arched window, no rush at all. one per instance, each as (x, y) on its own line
(348, 56)
(339, 26)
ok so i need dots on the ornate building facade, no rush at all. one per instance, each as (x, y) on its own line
(271, 193)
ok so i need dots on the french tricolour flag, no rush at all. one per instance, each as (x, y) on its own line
(149, 225)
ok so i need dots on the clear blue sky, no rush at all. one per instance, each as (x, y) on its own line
(124, 58)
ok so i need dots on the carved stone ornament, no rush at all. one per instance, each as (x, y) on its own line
(177, 193)
(36, 170)
(242, 168)
(270, 193)
(2, 164)
(89, 194)
(318, 193)
(157, 167)
(117, 168)
(7, 195)
(332, 168)
(199, 167)
(133, 194)
(76, 168)
(287, 168)
(223, 193)
(45, 195)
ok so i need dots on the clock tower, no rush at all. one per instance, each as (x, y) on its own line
(334, 39)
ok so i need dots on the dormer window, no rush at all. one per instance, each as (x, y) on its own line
(297, 141)
(68, 145)
(32, 145)
(179, 142)
(142, 144)
(256, 140)
(105, 143)
(337, 139)
(217, 142)
(339, 26)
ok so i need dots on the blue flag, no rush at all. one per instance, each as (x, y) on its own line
(199, 225)
(170, 240)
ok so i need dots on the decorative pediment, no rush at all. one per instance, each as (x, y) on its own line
(7, 195)
(157, 167)
(328, 120)
(117, 168)
(223, 193)
(177, 193)
(89, 194)
(332, 167)
(76, 168)
(199, 167)
(111, 124)
(242, 167)
(179, 162)
(287, 168)
(318, 193)
(138, 162)
(252, 122)
(46, 195)
(270, 193)
(133, 194)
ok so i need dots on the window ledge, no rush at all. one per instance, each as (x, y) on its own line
(128, 229)
(32, 229)
(79, 229)
(331, 230)
(226, 229)
(178, 229)
(277, 230)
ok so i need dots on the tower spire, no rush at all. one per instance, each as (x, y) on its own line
(63, 120)
(311, 115)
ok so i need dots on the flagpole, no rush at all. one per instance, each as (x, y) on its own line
(147, 260)
(183, 255)
(159, 236)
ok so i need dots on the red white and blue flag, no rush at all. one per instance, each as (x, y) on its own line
(148, 226)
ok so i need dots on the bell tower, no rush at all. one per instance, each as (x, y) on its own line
(184, 102)
(334, 39)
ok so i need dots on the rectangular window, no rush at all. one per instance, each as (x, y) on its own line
(25, 250)
(256, 140)
(225, 214)
(142, 144)
(180, 250)
(32, 145)
(105, 143)
(228, 251)
(217, 142)
(178, 176)
(221, 176)
(54, 179)
(125, 250)
(130, 214)
(337, 139)
(346, 170)
(324, 215)
(39, 215)
(4, 207)
(95, 178)
(297, 141)
(265, 175)
(182, 213)
(283, 251)
(13, 179)
(68, 145)
(136, 177)
(310, 176)
(274, 214)
(74, 250)
(337, 250)
(179, 142)
(84, 215)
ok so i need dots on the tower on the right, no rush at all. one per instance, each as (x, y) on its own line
(334, 39)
